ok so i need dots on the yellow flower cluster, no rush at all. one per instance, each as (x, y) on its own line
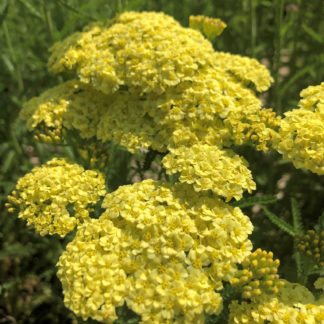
(211, 168)
(174, 218)
(293, 304)
(70, 105)
(147, 82)
(259, 129)
(245, 69)
(143, 81)
(148, 43)
(101, 270)
(139, 50)
(161, 248)
(211, 27)
(258, 275)
(302, 131)
(57, 196)
(312, 244)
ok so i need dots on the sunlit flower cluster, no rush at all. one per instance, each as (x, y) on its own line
(144, 82)
(210, 168)
(302, 131)
(70, 105)
(292, 304)
(57, 196)
(160, 248)
(143, 90)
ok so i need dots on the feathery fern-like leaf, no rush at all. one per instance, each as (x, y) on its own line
(296, 215)
(255, 200)
(279, 222)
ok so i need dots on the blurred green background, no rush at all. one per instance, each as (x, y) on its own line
(287, 36)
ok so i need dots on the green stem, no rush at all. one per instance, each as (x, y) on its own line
(13, 58)
(119, 6)
(67, 6)
(252, 27)
(48, 20)
(301, 275)
(14, 140)
(277, 58)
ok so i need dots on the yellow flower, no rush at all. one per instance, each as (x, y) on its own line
(258, 275)
(211, 27)
(137, 50)
(154, 248)
(57, 196)
(293, 304)
(157, 92)
(210, 168)
(70, 105)
(302, 132)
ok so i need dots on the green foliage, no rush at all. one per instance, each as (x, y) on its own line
(255, 200)
(287, 37)
(279, 222)
(296, 214)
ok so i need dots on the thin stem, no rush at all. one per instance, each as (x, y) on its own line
(277, 58)
(252, 27)
(67, 6)
(48, 20)
(119, 6)
(13, 57)
(14, 140)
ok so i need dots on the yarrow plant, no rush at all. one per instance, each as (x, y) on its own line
(173, 249)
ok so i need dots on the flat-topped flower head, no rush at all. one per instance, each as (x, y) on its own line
(57, 196)
(70, 105)
(247, 70)
(138, 50)
(141, 50)
(160, 78)
(302, 131)
(106, 266)
(176, 222)
(293, 303)
(210, 168)
(163, 249)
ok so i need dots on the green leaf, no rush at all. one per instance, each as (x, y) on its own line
(295, 77)
(296, 214)
(76, 11)
(319, 272)
(297, 258)
(320, 223)
(7, 286)
(32, 9)
(4, 12)
(16, 249)
(6, 60)
(279, 222)
(312, 33)
(8, 161)
(255, 200)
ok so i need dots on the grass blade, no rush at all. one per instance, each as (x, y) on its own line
(4, 13)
